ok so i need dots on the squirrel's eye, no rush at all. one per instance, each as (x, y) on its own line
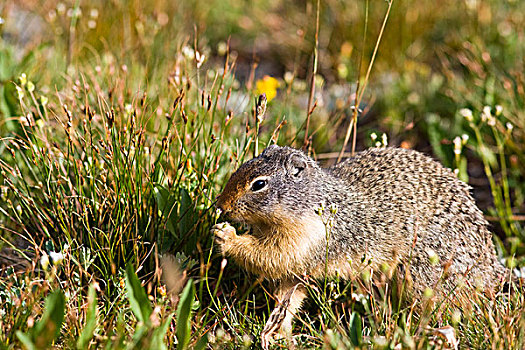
(258, 185)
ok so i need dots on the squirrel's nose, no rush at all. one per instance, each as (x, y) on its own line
(222, 204)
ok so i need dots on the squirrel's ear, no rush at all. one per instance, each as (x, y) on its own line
(296, 164)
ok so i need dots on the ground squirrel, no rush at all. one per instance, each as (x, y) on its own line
(394, 207)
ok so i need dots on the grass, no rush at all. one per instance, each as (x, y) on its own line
(120, 122)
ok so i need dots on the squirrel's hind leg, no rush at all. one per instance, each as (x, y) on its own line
(290, 296)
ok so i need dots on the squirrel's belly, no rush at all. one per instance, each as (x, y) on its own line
(288, 250)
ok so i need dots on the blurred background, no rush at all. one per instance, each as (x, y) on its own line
(434, 59)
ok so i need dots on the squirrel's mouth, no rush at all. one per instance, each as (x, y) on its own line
(229, 215)
(246, 221)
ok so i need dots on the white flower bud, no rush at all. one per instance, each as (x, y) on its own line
(44, 261)
(466, 113)
(384, 139)
(188, 52)
(23, 79)
(20, 93)
(486, 110)
(57, 258)
(457, 145)
(199, 58)
(222, 48)
(288, 77)
(432, 256)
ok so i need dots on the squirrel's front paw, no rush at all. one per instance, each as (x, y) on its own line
(224, 235)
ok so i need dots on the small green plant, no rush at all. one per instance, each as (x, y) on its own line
(46, 330)
(148, 334)
(91, 320)
(495, 160)
(150, 330)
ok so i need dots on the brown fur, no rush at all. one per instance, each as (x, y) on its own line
(385, 210)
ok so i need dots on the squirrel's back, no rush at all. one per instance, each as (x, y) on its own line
(408, 204)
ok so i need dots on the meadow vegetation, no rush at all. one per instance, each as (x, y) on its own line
(121, 120)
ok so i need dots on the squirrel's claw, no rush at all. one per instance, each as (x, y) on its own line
(277, 321)
(224, 233)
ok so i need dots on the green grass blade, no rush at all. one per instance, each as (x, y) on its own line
(138, 337)
(157, 338)
(25, 340)
(137, 297)
(183, 331)
(356, 329)
(48, 328)
(91, 320)
(201, 343)
(166, 203)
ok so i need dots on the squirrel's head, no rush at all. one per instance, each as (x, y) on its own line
(273, 188)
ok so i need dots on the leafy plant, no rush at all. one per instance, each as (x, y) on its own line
(46, 330)
(147, 335)
(91, 320)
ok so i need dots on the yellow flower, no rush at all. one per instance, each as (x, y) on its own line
(267, 85)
